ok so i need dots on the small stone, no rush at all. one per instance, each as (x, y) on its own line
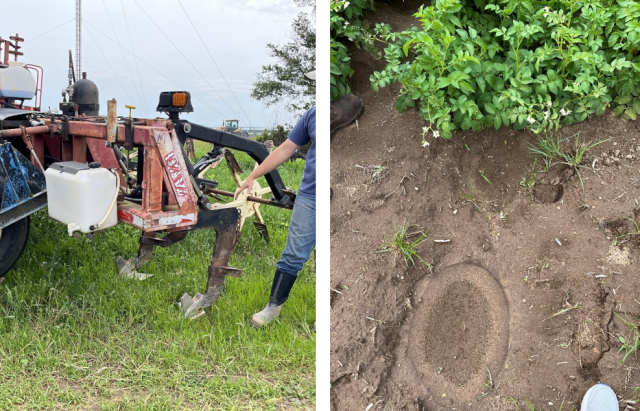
(455, 211)
(615, 144)
(629, 156)
(617, 153)
(607, 161)
(416, 188)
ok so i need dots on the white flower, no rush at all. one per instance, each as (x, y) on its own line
(425, 144)
(546, 115)
(530, 120)
(565, 112)
(546, 9)
(346, 23)
(346, 4)
(549, 103)
(424, 130)
(436, 134)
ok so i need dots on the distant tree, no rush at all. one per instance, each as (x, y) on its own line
(283, 82)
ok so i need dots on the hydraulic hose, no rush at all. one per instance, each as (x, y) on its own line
(113, 203)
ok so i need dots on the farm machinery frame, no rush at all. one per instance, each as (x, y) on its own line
(161, 192)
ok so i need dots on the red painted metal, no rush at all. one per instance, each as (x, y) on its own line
(54, 145)
(164, 173)
(67, 150)
(38, 148)
(16, 40)
(103, 155)
(5, 44)
(152, 186)
(176, 169)
(171, 198)
(79, 149)
(88, 129)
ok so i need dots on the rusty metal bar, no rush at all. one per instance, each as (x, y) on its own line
(112, 120)
(260, 200)
(17, 132)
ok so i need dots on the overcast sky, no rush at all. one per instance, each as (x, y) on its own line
(235, 32)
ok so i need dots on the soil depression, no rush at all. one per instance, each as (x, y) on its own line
(564, 258)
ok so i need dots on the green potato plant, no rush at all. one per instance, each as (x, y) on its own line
(521, 63)
(345, 22)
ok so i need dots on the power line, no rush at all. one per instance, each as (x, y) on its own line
(122, 52)
(56, 27)
(107, 61)
(136, 61)
(214, 62)
(151, 67)
(79, 37)
(186, 59)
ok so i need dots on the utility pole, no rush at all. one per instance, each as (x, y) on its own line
(78, 37)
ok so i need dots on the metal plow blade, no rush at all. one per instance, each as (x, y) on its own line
(262, 230)
(127, 269)
(192, 307)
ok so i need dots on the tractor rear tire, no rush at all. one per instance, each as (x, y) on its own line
(13, 240)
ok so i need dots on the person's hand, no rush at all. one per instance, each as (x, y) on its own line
(246, 185)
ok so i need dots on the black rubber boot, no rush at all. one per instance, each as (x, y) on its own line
(345, 111)
(282, 283)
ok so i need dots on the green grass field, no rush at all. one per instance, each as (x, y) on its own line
(76, 336)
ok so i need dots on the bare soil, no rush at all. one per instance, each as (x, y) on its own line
(525, 302)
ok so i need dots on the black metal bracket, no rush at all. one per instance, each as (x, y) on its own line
(165, 241)
(23, 210)
(222, 219)
(203, 182)
(128, 134)
(256, 150)
(63, 129)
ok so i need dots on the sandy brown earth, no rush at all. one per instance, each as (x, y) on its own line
(526, 301)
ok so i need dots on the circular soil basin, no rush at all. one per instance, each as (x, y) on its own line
(548, 193)
(458, 331)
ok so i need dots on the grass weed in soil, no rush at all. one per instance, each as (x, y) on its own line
(556, 264)
(76, 336)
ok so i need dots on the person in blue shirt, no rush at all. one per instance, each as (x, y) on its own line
(301, 239)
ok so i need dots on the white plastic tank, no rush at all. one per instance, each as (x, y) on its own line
(80, 195)
(16, 82)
